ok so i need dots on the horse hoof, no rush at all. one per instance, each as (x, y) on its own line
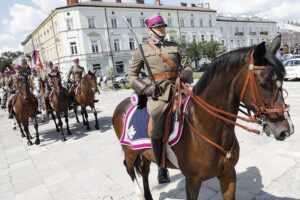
(69, 133)
(14, 128)
(29, 143)
(97, 127)
(57, 130)
(63, 139)
(78, 121)
(88, 128)
(31, 137)
(43, 121)
(37, 142)
(22, 135)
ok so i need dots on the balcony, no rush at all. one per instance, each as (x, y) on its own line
(239, 34)
(252, 33)
(263, 32)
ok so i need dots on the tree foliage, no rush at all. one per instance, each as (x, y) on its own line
(7, 58)
(198, 50)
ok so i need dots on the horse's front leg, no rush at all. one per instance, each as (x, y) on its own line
(25, 125)
(75, 111)
(67, 122)
(87, 120)
(228, 182)
(193, 186)
(60, 124)
(96, 120)
(54, 119)
(83, 116)
(21, 129)
(37, 135)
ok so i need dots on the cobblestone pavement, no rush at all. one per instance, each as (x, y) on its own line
(88, 166)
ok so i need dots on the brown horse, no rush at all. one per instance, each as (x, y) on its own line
(208, 146)
(25, 107)
(59, 102)
(84, 95)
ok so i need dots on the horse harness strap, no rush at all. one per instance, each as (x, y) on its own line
(258, 102)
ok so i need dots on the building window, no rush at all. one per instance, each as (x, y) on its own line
(221, 30)
(69, 24)
(170, 22)
(182, 22)
(94, 45)
(210, 23)
(114, 23)
(223, 42)
(120, 67)
(202, 38)
(91, 22)
(131, 44)
(192, 23)
(183, 39)
(73, 48)
(129, 21)
(212, 38)
(194, 38)
(117, 44)
(201, 22)
(142, 22)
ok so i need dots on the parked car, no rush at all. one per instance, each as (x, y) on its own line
(292, 68)
(202, 67)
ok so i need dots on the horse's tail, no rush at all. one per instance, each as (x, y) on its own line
(138, 165)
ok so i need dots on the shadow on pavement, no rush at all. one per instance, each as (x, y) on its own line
(249, 187)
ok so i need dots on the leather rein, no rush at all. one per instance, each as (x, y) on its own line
(259, 105)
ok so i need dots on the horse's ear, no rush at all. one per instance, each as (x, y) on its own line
(89, 72)
(275, 45)
(94, 73)
(259, 53)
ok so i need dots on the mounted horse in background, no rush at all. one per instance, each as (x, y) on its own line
(39, 89)
(59, 102)
(84, 95)
(208, 146)
(24, 107)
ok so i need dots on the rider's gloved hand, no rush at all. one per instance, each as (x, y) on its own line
(153, 90)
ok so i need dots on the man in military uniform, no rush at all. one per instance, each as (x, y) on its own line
(167, 62)
(11, 88)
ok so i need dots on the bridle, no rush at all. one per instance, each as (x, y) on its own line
(260, 108)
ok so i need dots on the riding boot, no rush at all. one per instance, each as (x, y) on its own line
(163, 174)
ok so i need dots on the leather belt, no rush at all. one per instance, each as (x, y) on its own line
(165, 75)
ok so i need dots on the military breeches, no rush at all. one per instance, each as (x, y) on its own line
(158, 112)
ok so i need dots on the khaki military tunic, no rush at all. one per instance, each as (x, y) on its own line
(77, 72)
(177, 62)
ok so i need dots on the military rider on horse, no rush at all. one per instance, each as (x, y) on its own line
(167, 62)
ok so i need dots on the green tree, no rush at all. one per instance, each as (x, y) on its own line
(7, 58)
(211, 49)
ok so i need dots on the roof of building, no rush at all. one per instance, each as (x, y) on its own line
(136, 5)
(243, 19)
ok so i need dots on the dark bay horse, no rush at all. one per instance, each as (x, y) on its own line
(59, 102)
(251, 75)
(25, 107)
(84, 95)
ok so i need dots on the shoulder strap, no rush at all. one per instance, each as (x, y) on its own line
(162, 56)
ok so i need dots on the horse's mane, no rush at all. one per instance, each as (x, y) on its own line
(234, 59)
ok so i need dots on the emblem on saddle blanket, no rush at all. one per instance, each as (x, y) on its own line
(135, 130)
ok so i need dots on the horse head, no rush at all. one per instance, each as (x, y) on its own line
(23, 88)
(262, 91)
(91, 80)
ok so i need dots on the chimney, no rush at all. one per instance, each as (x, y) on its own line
(71, 2)
(157, 2)
(183, 4)
(118, 1)
(140, 1)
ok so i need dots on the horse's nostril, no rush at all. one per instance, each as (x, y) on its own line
(283, 135)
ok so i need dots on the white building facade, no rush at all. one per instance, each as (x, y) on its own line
(236, 32)
(95, 32)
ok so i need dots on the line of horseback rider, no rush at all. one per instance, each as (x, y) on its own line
(9, 80)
